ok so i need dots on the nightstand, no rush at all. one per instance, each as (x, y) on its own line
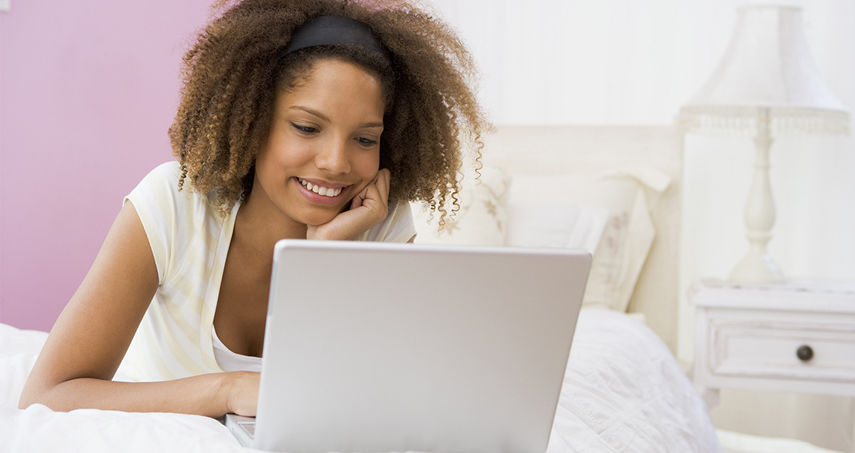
(787, 338)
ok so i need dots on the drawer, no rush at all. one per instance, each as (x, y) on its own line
(763, 349)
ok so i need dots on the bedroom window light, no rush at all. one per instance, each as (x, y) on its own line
(765, 86)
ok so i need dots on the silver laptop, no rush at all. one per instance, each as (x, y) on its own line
(375, 347)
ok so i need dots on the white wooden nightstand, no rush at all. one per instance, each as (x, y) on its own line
(788, 338)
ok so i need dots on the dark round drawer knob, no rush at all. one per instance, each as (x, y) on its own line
(804, 353)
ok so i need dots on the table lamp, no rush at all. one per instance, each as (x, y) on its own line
(765, 86)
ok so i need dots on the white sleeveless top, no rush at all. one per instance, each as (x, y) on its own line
(232, 361)
(190, 241)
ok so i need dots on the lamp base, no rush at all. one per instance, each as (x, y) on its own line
(756, 267)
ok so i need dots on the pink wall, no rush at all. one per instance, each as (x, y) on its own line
(87, 91)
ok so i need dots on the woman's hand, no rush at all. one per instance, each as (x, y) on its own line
(368, 208)
(242, 392)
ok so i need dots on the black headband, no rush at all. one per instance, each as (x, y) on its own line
(331, 30)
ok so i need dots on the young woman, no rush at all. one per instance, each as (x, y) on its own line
(310, 119)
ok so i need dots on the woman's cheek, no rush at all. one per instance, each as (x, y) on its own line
(292, 156)
(368, 168)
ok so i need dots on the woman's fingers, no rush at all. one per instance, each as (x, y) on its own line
(380, 183)
(357, 200)
(377, 193)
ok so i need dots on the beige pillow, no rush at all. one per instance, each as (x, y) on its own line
(481, 219)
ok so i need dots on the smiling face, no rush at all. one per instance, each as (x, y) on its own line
(324, 143)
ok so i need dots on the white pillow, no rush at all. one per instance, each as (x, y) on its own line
(555, 225)
(555, 210)
(481, 219)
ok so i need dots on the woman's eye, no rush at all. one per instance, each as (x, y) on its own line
(304, 129)
(366, 141)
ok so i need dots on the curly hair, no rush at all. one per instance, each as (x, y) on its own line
(237, 66)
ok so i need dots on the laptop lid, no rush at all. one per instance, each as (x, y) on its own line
(378, 347)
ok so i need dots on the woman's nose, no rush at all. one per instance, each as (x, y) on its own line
(333, 157)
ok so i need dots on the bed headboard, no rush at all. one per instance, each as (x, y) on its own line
(555, 149)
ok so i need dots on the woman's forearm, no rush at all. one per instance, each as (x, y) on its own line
(206, 394)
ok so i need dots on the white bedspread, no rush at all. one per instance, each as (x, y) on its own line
(623, 392)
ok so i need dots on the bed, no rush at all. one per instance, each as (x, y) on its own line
(612, 190)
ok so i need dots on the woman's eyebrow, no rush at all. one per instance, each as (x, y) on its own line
(323, 117)
(309, 111)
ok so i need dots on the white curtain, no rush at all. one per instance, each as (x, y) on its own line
(608, 61)
(583, 62)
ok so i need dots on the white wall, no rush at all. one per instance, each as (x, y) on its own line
(631, 62)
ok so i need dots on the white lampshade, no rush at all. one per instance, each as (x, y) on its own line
(767, 66)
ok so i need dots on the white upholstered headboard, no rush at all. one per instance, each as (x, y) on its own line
(557, 149)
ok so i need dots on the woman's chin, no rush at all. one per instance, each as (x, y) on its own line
(318, 218)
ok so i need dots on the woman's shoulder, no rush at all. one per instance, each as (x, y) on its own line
(400, 211)
(168, 169)
(163, 186)
(165, 176)
(162, 198)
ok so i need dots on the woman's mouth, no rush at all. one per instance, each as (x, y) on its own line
(320, 192)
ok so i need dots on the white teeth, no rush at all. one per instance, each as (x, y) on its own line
(325, 191)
